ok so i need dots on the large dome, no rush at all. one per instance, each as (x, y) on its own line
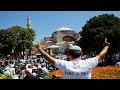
(63, 28)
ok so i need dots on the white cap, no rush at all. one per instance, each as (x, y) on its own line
(39, 66)
(34, 74)
(74, 47)
(16, 66)
(29, 70)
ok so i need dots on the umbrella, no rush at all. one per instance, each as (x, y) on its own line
(61, 51)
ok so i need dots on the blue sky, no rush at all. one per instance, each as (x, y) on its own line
(46, 22)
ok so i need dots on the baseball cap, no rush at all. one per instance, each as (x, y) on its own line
(74, 47)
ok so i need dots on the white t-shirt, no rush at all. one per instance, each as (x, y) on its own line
(15, 77)
(23, 74)
(29, 70)
(12, 71)
(77, 69)
(12, 65)
(34, 67)
(9, 70)
(39, 66)
(45, 70)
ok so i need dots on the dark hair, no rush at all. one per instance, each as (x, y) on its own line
(29, 66)
(74, 53)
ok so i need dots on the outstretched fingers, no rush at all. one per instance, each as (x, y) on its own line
(105, 40)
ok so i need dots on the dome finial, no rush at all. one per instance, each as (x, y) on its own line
(29, 17)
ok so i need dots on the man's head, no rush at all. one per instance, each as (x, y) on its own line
(74, 51)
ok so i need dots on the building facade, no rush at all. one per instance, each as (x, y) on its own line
(61, 37)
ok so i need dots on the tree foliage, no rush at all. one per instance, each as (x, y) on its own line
(16, 38)
(96, 29)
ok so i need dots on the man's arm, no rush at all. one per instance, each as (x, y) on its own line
(104, 51)
(45, 55)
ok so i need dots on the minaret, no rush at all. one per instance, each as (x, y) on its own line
(29, 25)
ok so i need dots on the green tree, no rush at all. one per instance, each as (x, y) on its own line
(6, 42)
(24, 38)
(16, 38)
(96, 29)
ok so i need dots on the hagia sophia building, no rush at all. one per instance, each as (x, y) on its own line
(61, 37)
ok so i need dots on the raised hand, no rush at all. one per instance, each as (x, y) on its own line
(106, 43)
(38, 46)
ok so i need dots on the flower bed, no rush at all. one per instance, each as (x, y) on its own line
(108, 72)
(58, 73)
(5, 76)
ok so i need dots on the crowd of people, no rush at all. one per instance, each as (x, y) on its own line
(116, 58)
(75, 66)
(39, 68)
(113, 59)
(26, 69)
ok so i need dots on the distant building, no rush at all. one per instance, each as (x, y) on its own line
(61, 36)
(64, 34)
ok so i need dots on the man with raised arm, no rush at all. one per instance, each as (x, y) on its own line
(76, 68)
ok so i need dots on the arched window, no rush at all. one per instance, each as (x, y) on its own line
(68, 38)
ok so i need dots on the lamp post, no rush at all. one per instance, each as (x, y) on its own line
(23, 50)
(23, 47)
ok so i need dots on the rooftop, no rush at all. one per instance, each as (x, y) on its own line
(63, 28)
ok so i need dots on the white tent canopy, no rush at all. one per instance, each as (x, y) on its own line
(48, 42)
(53, 46)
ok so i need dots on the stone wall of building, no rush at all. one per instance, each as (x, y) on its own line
(62, 35)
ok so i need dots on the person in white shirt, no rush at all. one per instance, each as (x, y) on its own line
(76, 68)
(23, 73)
(44, 69)
(12, 71)
(15, 77)
(9, 70)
